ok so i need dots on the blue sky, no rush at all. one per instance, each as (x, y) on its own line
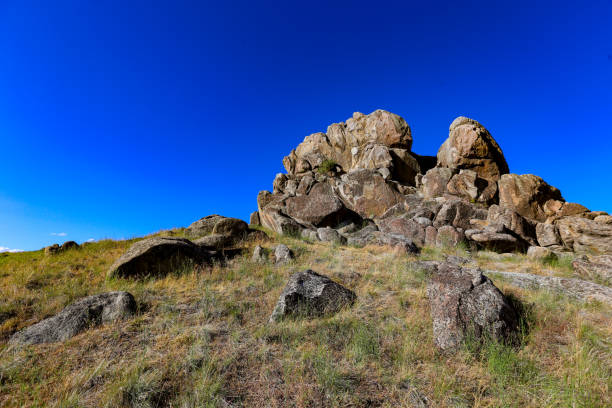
(123, 118)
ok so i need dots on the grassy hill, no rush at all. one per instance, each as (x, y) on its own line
(201, 337)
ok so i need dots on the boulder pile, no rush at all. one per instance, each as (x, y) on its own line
(360, 183)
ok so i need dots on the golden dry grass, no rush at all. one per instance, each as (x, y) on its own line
(201, 338)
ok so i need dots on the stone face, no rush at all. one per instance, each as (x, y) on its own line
(282, 254)
(320, 207)
(203, 226)
(233, 227)
(366, 193)
(528, 195)
(514, 222)
(465, 302)
(597, 268)
(404, 227)
(458, 213)
(547, 234)
(157, 257)
(449, 236)
(585, 236)
(77, 317)
(470, 146)
(328, 234)
(309, 294)
(434, 182)
(538, 252)
(254, 219)
(469, 186)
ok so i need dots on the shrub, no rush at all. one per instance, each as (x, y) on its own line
(327, 166)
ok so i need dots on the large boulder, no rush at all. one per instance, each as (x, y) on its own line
(469, 186)
(410, 229)
(530, 196)
(515, 222)
(463, 303)
(77, 317)
(458, 213)
(434, 182)
(547, 234)
(309, 294)
(319, 208)
(585, 236)
(471, 146)
(496, 237)
(367, 193)
(158, 256)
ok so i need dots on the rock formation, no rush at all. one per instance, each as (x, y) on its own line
(362, 180)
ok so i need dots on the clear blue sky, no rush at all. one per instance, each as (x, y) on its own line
(120, 118)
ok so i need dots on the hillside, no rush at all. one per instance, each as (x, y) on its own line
(452, 283)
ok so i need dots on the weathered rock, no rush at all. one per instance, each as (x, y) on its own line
(272, 218)
(604, 219)
(570, 209)
(259, 254)
(470, 146)
(538, 252)
(203, 226)
(320, 207)
(52, 249)
(528, 195)
(282, 254)
(465, 302)
(278, 185)
(366, 193)
(309, 294)
(469, 186)
(547, 234)
(458, 213)
(215, 241)
(514, 222)
(449, 236)
(362, 237)
(310, 234)
(575, 288)
(431, 234)
(77, 317)
(254, 219)
(597, 268)
(233, 227)
(328, 234)
(434, 182)
(396, 241)
(497, 238)
(69, 245)
(404, 227)
(157, 256)
(582, 235)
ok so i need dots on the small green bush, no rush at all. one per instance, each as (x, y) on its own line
(327, 166)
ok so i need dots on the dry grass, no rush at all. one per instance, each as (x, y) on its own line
(201, 338)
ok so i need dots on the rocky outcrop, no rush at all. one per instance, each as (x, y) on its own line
(470, 146)
(157, 257)
(77, 317)
(217, 224)
(56, 248)
(309, 294)
(530, 196)
(364, 172)
(582, 235)
(463, 303)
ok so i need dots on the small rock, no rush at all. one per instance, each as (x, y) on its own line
(538, 252)
(310, 294)
(282, 254)
(328, 234)
(449, 236)
(254, 219)
(259, 254)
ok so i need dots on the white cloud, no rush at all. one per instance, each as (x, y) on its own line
(90, 240)
(5, 249)
(59, 234)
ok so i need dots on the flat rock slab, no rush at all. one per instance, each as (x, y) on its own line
(158, 256)
(576, 288)
(309, 294)
(465, 302)
(77, 317)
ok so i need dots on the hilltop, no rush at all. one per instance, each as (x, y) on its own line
(369, 276)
